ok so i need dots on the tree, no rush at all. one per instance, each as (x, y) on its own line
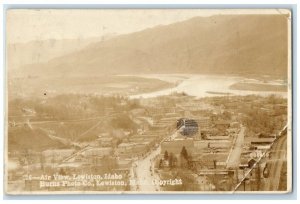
(175, 161)
(171, 160)
(184, 153)
(215, 163)
(160, 163)
(166, 155)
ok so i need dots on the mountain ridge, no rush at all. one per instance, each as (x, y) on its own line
(227, 44)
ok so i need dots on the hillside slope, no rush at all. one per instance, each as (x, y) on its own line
(244, 44)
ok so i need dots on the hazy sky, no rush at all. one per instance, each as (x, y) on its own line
(27, 25)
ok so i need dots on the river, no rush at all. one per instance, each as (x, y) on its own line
(204, 85)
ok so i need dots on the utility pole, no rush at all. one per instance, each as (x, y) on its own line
(237, 175)
(244, 179)
(258, 176)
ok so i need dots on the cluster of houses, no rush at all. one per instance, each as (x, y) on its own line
(208, 149)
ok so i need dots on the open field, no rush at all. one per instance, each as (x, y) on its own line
(258, 87)
(98, 85)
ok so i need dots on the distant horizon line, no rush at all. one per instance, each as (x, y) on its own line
(114, 34)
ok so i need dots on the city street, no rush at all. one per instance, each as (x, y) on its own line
(145, 170)
(234, 156)
(145, 173)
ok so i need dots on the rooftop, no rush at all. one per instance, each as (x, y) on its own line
(262, 140)
(222, 122)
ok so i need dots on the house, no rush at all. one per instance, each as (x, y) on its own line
(132, 149)
(218, 137)
(106, 141)
(98, 151)
(220, 144)
(204, 122)
(138, 112)
(124, 166)
(209, 161)
(244, 163)
(123, 147)
(222, 124)
(265, 135)
(56, 155)
(262, 141)
(235, 125)
(175, 146)
(204, 145)
(93, 156)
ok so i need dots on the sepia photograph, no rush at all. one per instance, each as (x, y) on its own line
(148, 101)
